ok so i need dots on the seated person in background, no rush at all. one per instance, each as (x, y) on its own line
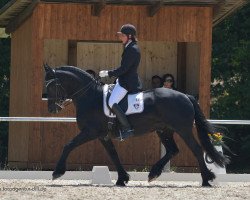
(168, 81)
(91, 72)
(156, 81)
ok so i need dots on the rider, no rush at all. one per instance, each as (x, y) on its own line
(128, 79)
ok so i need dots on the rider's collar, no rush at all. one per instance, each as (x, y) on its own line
(128, 43)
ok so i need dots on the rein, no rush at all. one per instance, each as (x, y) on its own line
(62, 102)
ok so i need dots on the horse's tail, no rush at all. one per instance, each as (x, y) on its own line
(204, 128)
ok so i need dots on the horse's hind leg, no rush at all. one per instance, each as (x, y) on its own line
(167, 140)
(191, 142)
(82, 137)
(123, 176)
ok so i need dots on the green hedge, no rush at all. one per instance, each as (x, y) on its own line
(4, 95)
(231, 83)
(3, 2)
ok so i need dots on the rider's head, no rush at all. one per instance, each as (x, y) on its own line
(127, 32)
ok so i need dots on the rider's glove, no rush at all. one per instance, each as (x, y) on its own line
(103, 73)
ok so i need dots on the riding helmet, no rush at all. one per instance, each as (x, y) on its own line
(128, 29)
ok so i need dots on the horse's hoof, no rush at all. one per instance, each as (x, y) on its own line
(122, 179)
(56, 176)
(151, 179)
(206, 184)
(120, 184)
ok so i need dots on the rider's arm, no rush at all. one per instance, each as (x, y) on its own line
(127, 62)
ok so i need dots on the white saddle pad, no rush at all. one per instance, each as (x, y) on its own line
(135, 103)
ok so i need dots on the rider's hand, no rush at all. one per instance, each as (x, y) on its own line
(103, 73)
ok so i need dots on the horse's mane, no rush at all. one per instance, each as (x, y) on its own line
(79, 72)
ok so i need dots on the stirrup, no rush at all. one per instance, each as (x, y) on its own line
(125, 134)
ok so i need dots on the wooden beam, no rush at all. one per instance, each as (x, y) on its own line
(139, 2)
(97, 8)
(7, 6)
(224, 8)
(11, 10)
(17, 21)
(152, 10)
(181, 66)
(217, 7)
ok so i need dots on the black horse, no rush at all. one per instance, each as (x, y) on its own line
(163, 109)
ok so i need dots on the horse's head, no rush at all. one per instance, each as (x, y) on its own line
(55, 91)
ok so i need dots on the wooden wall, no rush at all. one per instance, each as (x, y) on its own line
(171, 23)
(98, 56)
(20, 87)
(74, 22)
(157, 58)
(193, 68)
(188, 79)
(56, 52)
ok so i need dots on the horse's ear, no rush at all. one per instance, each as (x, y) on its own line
(48, 69)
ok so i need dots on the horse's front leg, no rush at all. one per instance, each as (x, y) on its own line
(83, 137)
(123, 176)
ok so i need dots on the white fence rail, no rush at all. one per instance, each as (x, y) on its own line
(37, 119)
(239, 122)
(73, 119)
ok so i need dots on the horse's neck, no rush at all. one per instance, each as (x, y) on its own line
(91, 102)
(85, 89)
(81, 89)
(71, 82)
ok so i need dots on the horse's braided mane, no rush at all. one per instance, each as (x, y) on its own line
(79, 72)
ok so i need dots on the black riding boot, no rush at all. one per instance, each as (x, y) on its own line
(126, 128)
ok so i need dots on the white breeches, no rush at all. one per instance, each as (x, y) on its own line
(117, 94)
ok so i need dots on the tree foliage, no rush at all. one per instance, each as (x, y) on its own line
(4, 92)
(231, 81)
(4, 95)
(3, 2)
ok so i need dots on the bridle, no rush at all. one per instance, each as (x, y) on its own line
(63, 100)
